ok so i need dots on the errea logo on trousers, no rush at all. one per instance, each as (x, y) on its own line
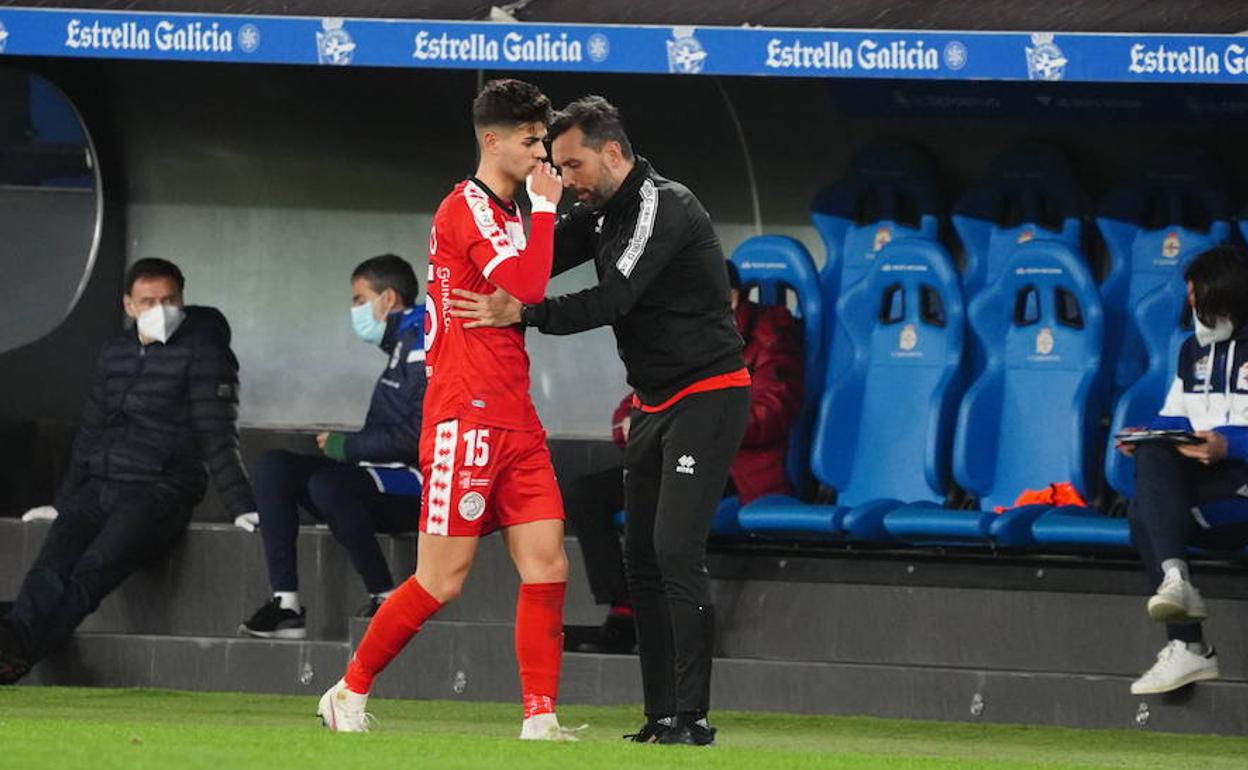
(685, 464)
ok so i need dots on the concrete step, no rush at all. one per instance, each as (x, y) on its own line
(474, 661)
(1017, 630)
(216, 577)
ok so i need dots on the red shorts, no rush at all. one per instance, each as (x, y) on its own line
(479, 478)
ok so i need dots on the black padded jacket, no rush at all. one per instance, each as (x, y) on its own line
(166, 413)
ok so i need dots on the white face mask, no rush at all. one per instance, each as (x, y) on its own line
(1221, 331)
(160, 322)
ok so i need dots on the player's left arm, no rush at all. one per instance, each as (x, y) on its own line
(662, 229)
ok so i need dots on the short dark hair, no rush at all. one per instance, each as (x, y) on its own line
(510, 103)
(152, 267)
(1219, 278)
(734, 275)
(389, 271)
(598, 119)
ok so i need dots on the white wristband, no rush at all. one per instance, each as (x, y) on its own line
(541, 204)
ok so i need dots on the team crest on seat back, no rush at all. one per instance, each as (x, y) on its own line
(1031, 418)
(886, 421)
(1177, 207)
(1029, 193)
(778, 265)
(889, 193)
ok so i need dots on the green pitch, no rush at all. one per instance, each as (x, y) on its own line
(52, 728)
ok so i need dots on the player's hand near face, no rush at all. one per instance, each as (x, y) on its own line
(544, 187)
(498, 309)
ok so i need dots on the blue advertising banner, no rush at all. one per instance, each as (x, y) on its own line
(748, 51)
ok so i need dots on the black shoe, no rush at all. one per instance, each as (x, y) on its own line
(652, 731)
(370, 609)
(616, 636)
(13, 663)
(689, 733)
(273, 622)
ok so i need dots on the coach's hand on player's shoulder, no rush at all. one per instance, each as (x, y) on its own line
(497, 309)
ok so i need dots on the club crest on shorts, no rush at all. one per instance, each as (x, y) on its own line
(471, 506)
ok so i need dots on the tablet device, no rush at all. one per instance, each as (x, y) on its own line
(1158, 436)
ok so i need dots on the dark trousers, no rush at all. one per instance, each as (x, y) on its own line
(676, 467)
(1167, 487)
(104, 531)
(343, 496)
(590, 504)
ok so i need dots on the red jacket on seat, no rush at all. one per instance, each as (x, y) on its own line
(773, 354)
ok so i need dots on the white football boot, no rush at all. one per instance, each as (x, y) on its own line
(342, 711)
(546, 727)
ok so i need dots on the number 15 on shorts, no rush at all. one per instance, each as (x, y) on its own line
(477, 448)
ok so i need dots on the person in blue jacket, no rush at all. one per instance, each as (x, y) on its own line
(364, 482)
(1196, 494)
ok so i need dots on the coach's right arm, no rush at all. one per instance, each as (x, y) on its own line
(660, 230)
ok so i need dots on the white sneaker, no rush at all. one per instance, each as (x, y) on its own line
(1176, 601)
(342, 711)
(545, 727)
(1176, 667)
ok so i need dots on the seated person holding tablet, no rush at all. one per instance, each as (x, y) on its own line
(1191, 466)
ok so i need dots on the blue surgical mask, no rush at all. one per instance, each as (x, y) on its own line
(366, 327)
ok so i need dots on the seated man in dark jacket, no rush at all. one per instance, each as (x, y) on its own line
(773, 352)
(365, 482)
(162, 411)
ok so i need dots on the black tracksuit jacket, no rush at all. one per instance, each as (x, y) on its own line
(662, 285)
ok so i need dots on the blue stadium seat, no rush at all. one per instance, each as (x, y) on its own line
(777, 265)
(1029, 193)
(1032, 416)
(887, 414)
(1163, 321)
(890, 192)
(724, 523)
(1177, 207)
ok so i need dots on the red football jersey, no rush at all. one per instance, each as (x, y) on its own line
(479, 374)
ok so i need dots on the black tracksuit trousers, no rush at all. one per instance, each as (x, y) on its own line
(1167, 487)
(676, 466)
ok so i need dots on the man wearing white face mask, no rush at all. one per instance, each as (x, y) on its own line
(162, 412)
(1196, 494)
(365, 481)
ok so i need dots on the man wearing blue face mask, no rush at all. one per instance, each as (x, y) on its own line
(364, 482)
(1196, 494)
(162, 412)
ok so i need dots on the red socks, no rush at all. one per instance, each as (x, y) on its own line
(396, 622)
(539, 644)
(539, 639)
